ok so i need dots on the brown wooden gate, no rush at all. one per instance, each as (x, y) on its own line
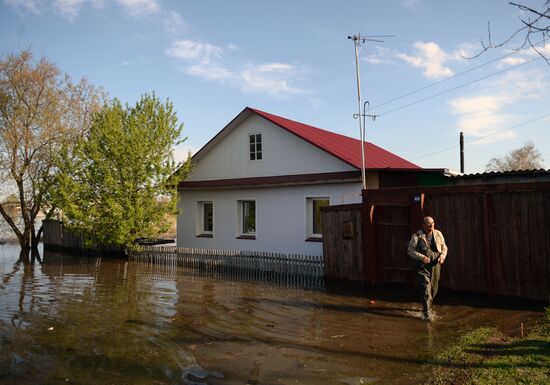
(390, 221)
(342, 242)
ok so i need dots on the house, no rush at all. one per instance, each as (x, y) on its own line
(260, 183)
(12, 206)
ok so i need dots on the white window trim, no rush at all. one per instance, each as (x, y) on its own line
(310, 235)
(199, 222)
(239, 227)
(255, 151)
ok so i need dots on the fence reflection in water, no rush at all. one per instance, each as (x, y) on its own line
(293, 270)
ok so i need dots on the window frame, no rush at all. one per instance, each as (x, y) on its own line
(200, 219)
(310, 218)
(255, 147)
(241, 234)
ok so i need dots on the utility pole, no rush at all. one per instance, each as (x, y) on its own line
(358, 41)
(461, 141)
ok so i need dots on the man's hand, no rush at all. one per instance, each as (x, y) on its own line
(441, 260)
(425, 260)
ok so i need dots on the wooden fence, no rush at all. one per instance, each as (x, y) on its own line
(286, 269)
(59, 238)
(498, 237)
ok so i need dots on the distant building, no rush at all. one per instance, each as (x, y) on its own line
(501, 177)
(12, 206)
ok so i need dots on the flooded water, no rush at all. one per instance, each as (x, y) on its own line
(97, 321)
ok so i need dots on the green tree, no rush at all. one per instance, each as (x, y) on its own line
(41, 110)
(526, 157)
(120, 181)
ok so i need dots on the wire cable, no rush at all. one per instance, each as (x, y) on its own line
(457, 87)
(482, 137)
(452, 77)
(441, 81)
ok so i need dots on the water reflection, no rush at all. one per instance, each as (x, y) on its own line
(91, 321)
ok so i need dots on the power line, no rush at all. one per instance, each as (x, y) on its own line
(509, 128)
(457, 87)
(450, 78)
(441, 81)
(483, 137)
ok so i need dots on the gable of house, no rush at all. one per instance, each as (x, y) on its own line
(282, 153)
(286, 148)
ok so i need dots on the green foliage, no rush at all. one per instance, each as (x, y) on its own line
(119, 182)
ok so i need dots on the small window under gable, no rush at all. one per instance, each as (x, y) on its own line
(255, 146)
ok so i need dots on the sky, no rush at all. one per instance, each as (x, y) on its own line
(293, 58)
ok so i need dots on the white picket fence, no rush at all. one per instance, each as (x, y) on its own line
(287, 269)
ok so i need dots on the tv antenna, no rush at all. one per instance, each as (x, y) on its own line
(358, 41)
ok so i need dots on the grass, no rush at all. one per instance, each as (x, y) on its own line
(485, 356)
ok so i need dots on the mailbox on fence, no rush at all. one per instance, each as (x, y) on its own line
(348, 230)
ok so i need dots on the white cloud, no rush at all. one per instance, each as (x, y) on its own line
(34, 6)
(174, 24)
(467, 50)
(487, 113)
(270, 78)
(431, 58)
(211, 71)
(203, 60)
(207, 61)
(69, 9)
(189, 50)
(412, 4)
(140, 7)
(512, 61)
(520, 57)
(537, 51)
(379, 55)
(482, 115)
(545, 50)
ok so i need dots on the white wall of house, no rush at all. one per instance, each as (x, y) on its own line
(281, 217)
(283, 153)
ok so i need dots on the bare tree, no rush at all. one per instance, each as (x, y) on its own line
(534, 30)
(41, 110)
(526, 157)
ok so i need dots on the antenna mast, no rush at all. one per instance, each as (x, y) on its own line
(358, 41)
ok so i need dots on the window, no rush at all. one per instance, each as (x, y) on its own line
(314, 218)
(255, 141)
(247, 219)
(205, 219)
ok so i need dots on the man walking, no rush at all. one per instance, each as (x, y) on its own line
(427, 247)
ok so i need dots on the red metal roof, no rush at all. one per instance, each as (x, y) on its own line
(343, 147)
